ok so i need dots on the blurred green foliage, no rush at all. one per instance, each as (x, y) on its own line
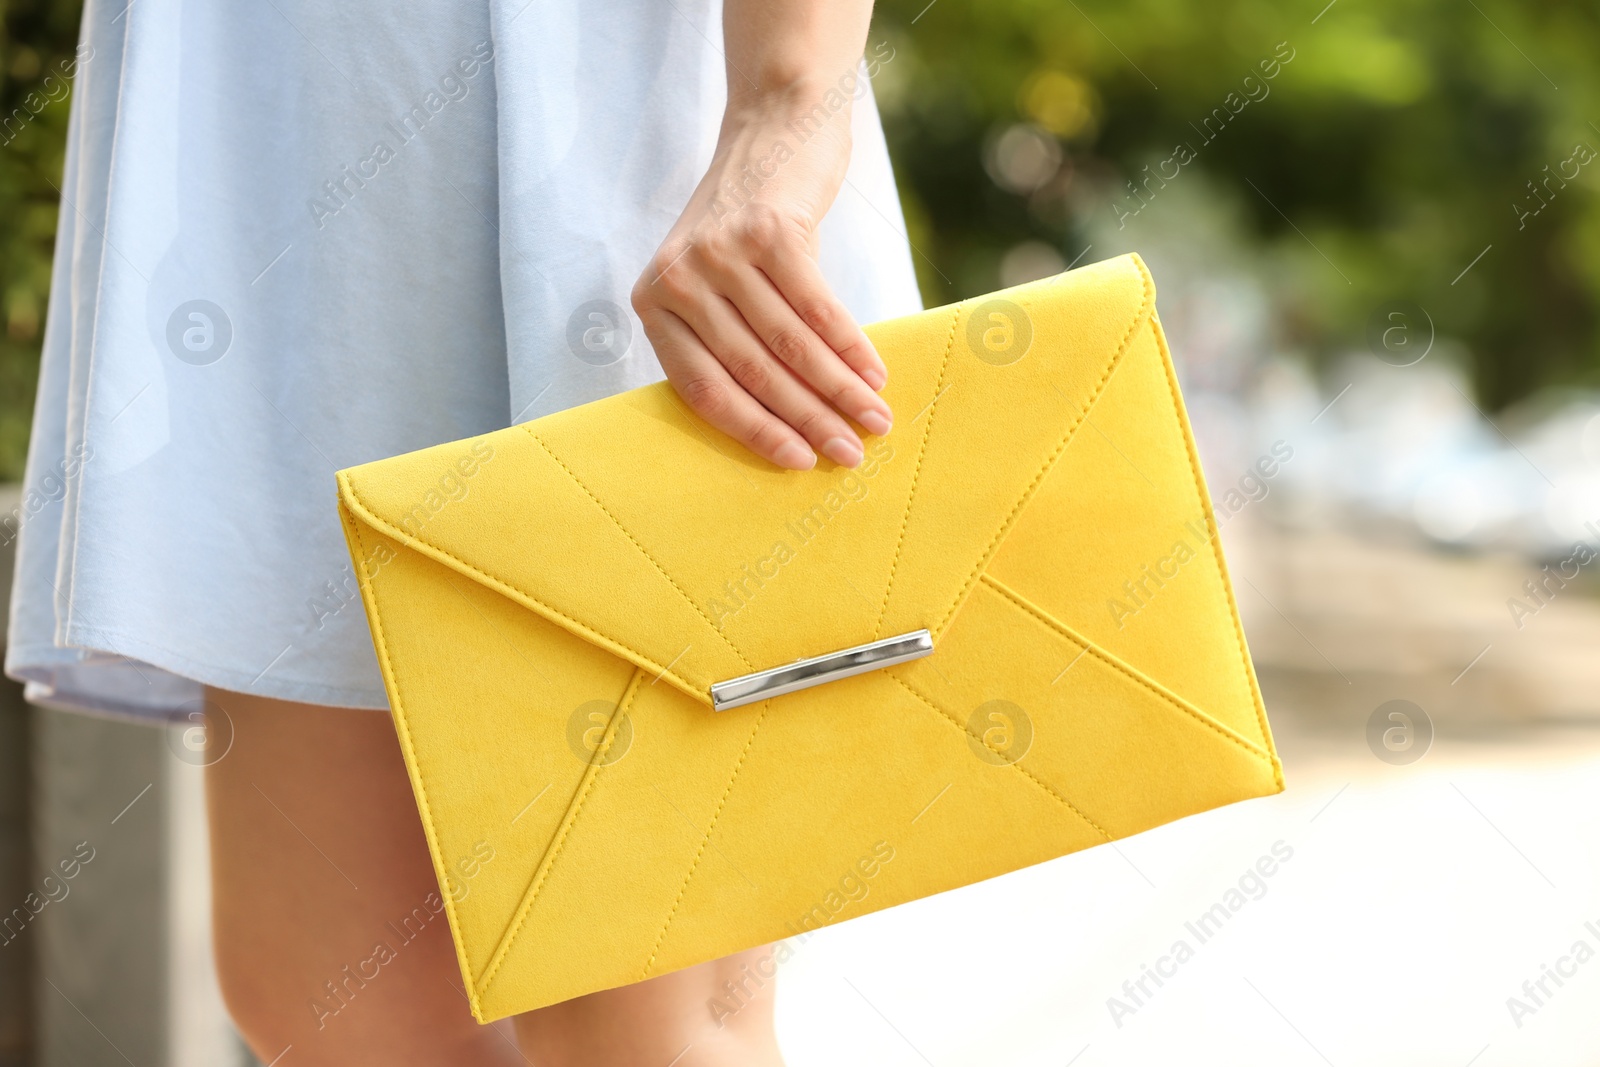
(1400, 140)
(36, 36)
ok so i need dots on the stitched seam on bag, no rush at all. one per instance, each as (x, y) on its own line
(1050, 623)
(1216, 551)
(642, 550)
(463, 954)
(1035, 779)
(591, 774)
(694, 865)
(1050, 462)
(916, 471)
(509, 590)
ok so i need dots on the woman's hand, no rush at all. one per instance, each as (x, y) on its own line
(747, 329)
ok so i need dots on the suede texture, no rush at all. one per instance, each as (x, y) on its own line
(550, 604)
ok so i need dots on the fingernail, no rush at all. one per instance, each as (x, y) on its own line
(795, 456)
(841, 451)
(876, 422)
(875, 376)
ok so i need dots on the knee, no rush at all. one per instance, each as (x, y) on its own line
(337, 1014)
(277, 998)
(260, 1006)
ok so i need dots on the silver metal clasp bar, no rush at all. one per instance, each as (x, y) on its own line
(805, 673)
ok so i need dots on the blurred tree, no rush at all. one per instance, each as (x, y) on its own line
(36, 37)
(1402, 139)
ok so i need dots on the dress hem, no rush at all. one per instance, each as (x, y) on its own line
(55, 676)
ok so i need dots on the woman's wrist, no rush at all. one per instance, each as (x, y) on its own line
(782, 87)
(797, 111)
(815, 98)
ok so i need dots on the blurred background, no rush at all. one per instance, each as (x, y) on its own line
(1377, 239)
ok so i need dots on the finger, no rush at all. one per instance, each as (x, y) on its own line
(783, 333)
(724, 332)
(778, 387)
(712, 393)
(796, 275)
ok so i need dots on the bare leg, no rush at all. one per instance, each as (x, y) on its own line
(685, 1019)
(317, 850)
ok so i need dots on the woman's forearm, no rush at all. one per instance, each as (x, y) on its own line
(791, 50)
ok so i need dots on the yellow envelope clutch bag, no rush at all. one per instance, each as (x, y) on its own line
(661, 701)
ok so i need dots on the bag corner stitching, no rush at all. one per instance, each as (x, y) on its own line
(541, 876)
(1216, 551)
(509, 590)
(1038, 614)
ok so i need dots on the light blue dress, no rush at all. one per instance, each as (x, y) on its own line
(297, 236)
